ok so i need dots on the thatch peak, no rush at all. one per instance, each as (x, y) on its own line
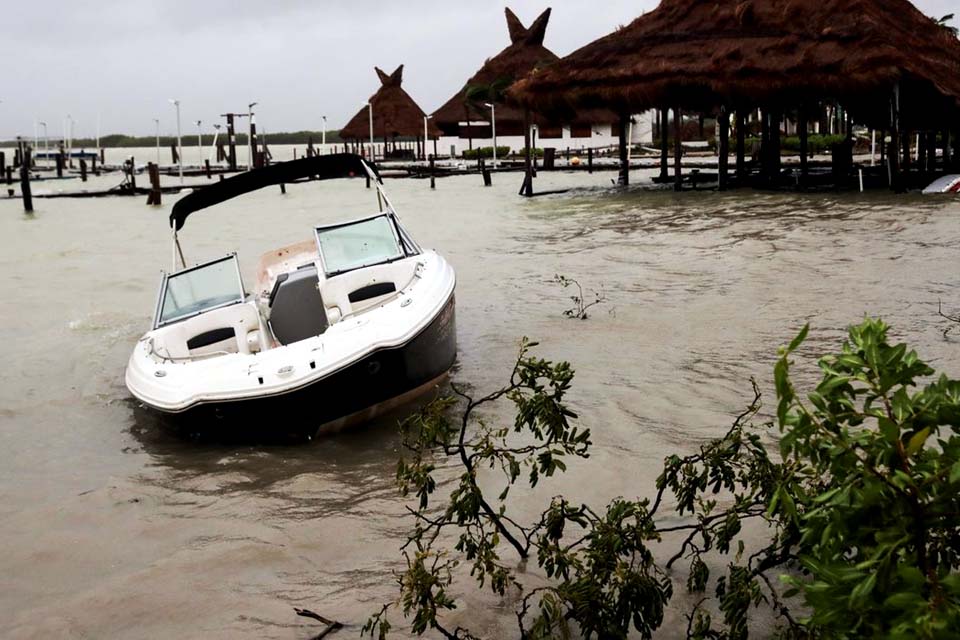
(395, 79)
(531, 36)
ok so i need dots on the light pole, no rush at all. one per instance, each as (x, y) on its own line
(425, 136)
(176, 103)
(200, 140)
(493, 127)
(157, 123)
(249, 136)
(323, 134)
(46, 142)
(213, 147)
(370, 112)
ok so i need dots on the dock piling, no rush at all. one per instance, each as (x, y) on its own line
(83, 170)
(25, 180)
(433, 176)
(153, 198)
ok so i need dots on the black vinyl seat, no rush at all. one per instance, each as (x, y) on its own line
(296, 307)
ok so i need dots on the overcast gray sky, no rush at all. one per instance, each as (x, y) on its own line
(299, 59)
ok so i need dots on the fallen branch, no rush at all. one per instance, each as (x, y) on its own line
(332, 625)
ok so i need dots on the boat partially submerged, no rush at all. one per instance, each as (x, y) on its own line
(339, 328)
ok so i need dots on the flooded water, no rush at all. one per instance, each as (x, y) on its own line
(111, 527)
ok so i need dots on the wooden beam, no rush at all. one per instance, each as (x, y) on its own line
(893, 155)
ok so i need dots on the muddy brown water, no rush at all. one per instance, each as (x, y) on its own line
(112, 527)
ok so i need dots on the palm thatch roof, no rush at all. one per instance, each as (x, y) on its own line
(702, 53)
(525, 54)
(395, 114)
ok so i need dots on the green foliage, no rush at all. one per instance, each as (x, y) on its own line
(485, 152)
(860, 508)
(604, 579)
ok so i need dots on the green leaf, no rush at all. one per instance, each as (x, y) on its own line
(800, 338)
(916, 442)
(955, 473)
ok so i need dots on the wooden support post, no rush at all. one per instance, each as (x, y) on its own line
(723, 166)
(741, 145)
(173, 153)
(206, 167)
(10, 175)
(775, 117)
(60, 162)
(25, 181)
(433, 173)
(3, 163)
(283, 188)
(96, 166)
(922, 153)
(664, 144)
(893, 155)
(526, 189)
(102, 155)
(590, 160)
(765, 145)
(83, 170)
(624, 177)
(883, 147)
(945, 145)
(677, 148)
(931, 151)
(154, 197)
(802, 126)
(487, 182)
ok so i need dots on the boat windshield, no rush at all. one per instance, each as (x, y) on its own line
(197, 289)
(359, 244)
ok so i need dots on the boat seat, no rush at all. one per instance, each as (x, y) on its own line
(361, 289)
(296, 307)
(216, 331)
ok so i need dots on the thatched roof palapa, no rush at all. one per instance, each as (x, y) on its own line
(746, 53)
(395, 114)
(525, 54)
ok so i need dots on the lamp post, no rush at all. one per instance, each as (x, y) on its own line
(493, 127)
(156, 122)
(425, 118)
(176, 103)
(213, 147)
(370, 112)
(323, 134)
(250, 136)
(200, 140)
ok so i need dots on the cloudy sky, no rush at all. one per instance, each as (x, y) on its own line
(300, 59)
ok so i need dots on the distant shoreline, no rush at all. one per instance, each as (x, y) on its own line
(119, 140)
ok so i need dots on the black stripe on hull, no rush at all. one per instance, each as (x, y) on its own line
(356, 389)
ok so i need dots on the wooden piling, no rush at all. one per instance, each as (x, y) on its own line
(624, 177)
(931, 151)
(723, 165)
(25, 181)
(802, 126)
(893, 155)
(590, 160)
(60, 162)
(153, 198)
(3, 163)
(173, 153)
(283, 188)
(487, 181)
(206, 168)
(526, 189)
(433, 176)
(664, 144)
(775, 163)
(83, 170)
(102, 156)
(741, 145)
(677, 148)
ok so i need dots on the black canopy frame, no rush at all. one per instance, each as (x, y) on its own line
(329, 167)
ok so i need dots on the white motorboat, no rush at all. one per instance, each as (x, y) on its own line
(339, 328)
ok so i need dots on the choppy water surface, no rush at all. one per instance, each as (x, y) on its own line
(111, 527)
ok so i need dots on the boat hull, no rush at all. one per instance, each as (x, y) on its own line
(360, 391)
